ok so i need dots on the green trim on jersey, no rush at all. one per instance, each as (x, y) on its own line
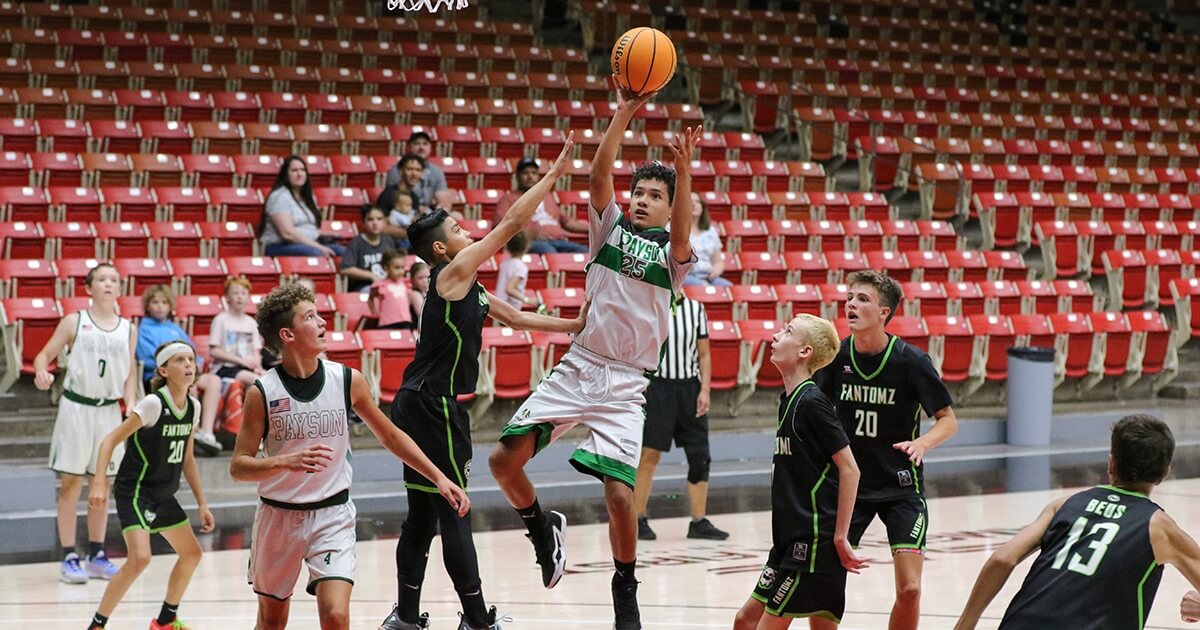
(911, 464)
(462, 483)
(165, 394)
(886, 354)
(654, 273)
(787, 409)
(812, 557)
(458, 347)
(421, 488)
(606, 466)
(1124, 491)
(137, 486)
(1142, 588)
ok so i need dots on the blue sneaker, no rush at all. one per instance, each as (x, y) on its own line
(98, 567)
(71, 572)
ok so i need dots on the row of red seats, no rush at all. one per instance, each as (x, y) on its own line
(1009, 219)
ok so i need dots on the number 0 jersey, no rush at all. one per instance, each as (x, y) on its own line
(154, 453)
(99, 361)
(1096, 569)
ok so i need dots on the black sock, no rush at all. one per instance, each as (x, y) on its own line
(68, 551)
(624, 571)
(533, 517)
(98, 621)
(474, 610)
(167, 614)
(95, 549)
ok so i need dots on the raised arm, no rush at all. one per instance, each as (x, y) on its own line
(456, 279)
(600, 182)
(1000, 565)
(510, 316)
(400, 444)
(683, 147)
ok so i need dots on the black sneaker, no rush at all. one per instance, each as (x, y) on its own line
(644, 531)
(393, 621)
(492, 621)
(550, 548)
(625, 606)
(704, 529)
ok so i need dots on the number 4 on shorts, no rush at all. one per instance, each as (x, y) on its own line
(327, 557)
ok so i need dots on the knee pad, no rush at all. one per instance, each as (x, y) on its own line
(699, 463)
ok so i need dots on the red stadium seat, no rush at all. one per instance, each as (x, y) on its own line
(724, 346)
(717, 301)
(1118, 337)
(953, 346)
(27, 278)
(1000, 335)
(197, 312)
(139, 273)
(1077, 350)
(261, 272)
(28, 324)
(319, 269)
(175, 238)
(754, 301)
(76, 203)
(388, 353)
(564, 302)
(757, 368)
(199, 276)
(126, 239)
(344, 347)
(508, 362)
(22, 240)
(924, 299)
(1129, 278)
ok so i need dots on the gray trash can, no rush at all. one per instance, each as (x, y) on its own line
(1030, 395)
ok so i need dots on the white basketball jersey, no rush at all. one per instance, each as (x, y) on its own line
(99, 359)
(293, 424)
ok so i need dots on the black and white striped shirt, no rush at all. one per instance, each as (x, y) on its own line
(680, 358)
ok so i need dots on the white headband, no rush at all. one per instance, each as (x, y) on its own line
(169, 351)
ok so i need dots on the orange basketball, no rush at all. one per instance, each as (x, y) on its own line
(643, 60)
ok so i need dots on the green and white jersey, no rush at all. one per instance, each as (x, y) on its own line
(630, 281)
(99, 360)
(302, 413)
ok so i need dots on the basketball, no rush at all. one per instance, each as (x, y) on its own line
(643, 60)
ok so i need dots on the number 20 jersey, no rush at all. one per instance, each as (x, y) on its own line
(1096, 569)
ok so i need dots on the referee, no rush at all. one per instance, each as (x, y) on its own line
(677, 401)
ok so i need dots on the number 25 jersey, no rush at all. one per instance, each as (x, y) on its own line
(1096, 569)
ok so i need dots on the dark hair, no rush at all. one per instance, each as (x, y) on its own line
(705, 221)
(417, 135)
(655, 170)
(306, 194)
(518, 244)
(277, 311)
(391, 255)
(158, 380)
(425, 231)
(367, 208)
(409, 157)
(91, 274)
(1142, 448)
(888, 289)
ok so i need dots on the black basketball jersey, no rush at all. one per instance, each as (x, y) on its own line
(1096, 569)
(879, 399)
(447, 357)
(154, 454)
(804, 481)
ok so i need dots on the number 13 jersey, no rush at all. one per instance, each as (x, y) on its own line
(1096, 569)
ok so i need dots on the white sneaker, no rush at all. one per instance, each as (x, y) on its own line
(206, 444)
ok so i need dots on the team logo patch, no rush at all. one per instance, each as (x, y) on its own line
(1112, 498)
(150, 516)
(467, 470)
(800, 552)
(904, 477)
(846, 369)
(767, 578)
(281, 405)
(525, 413)
(628, 447)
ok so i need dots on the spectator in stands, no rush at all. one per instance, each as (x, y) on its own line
(235, 345)
(400, 199)
(550, 229)
(291, 224)
(362, 261)
(159, 327)
(391, 297)
(418, 279)
(432, 191)
(706, 242)
(510, 283)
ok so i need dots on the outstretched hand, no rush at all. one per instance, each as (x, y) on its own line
(628, 101)
(560, 163)
(850, 562)
(683, 146)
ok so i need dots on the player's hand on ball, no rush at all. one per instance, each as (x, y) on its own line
(851, 562)
(456, 496)
(98, 492)
(628, 101)
(207, 522)
(1189, 608)
(560, 163)
(43, 380)
(914, 449)
(312, 459)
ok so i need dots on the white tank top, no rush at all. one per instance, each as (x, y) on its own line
(99, 360)
(293, 424)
